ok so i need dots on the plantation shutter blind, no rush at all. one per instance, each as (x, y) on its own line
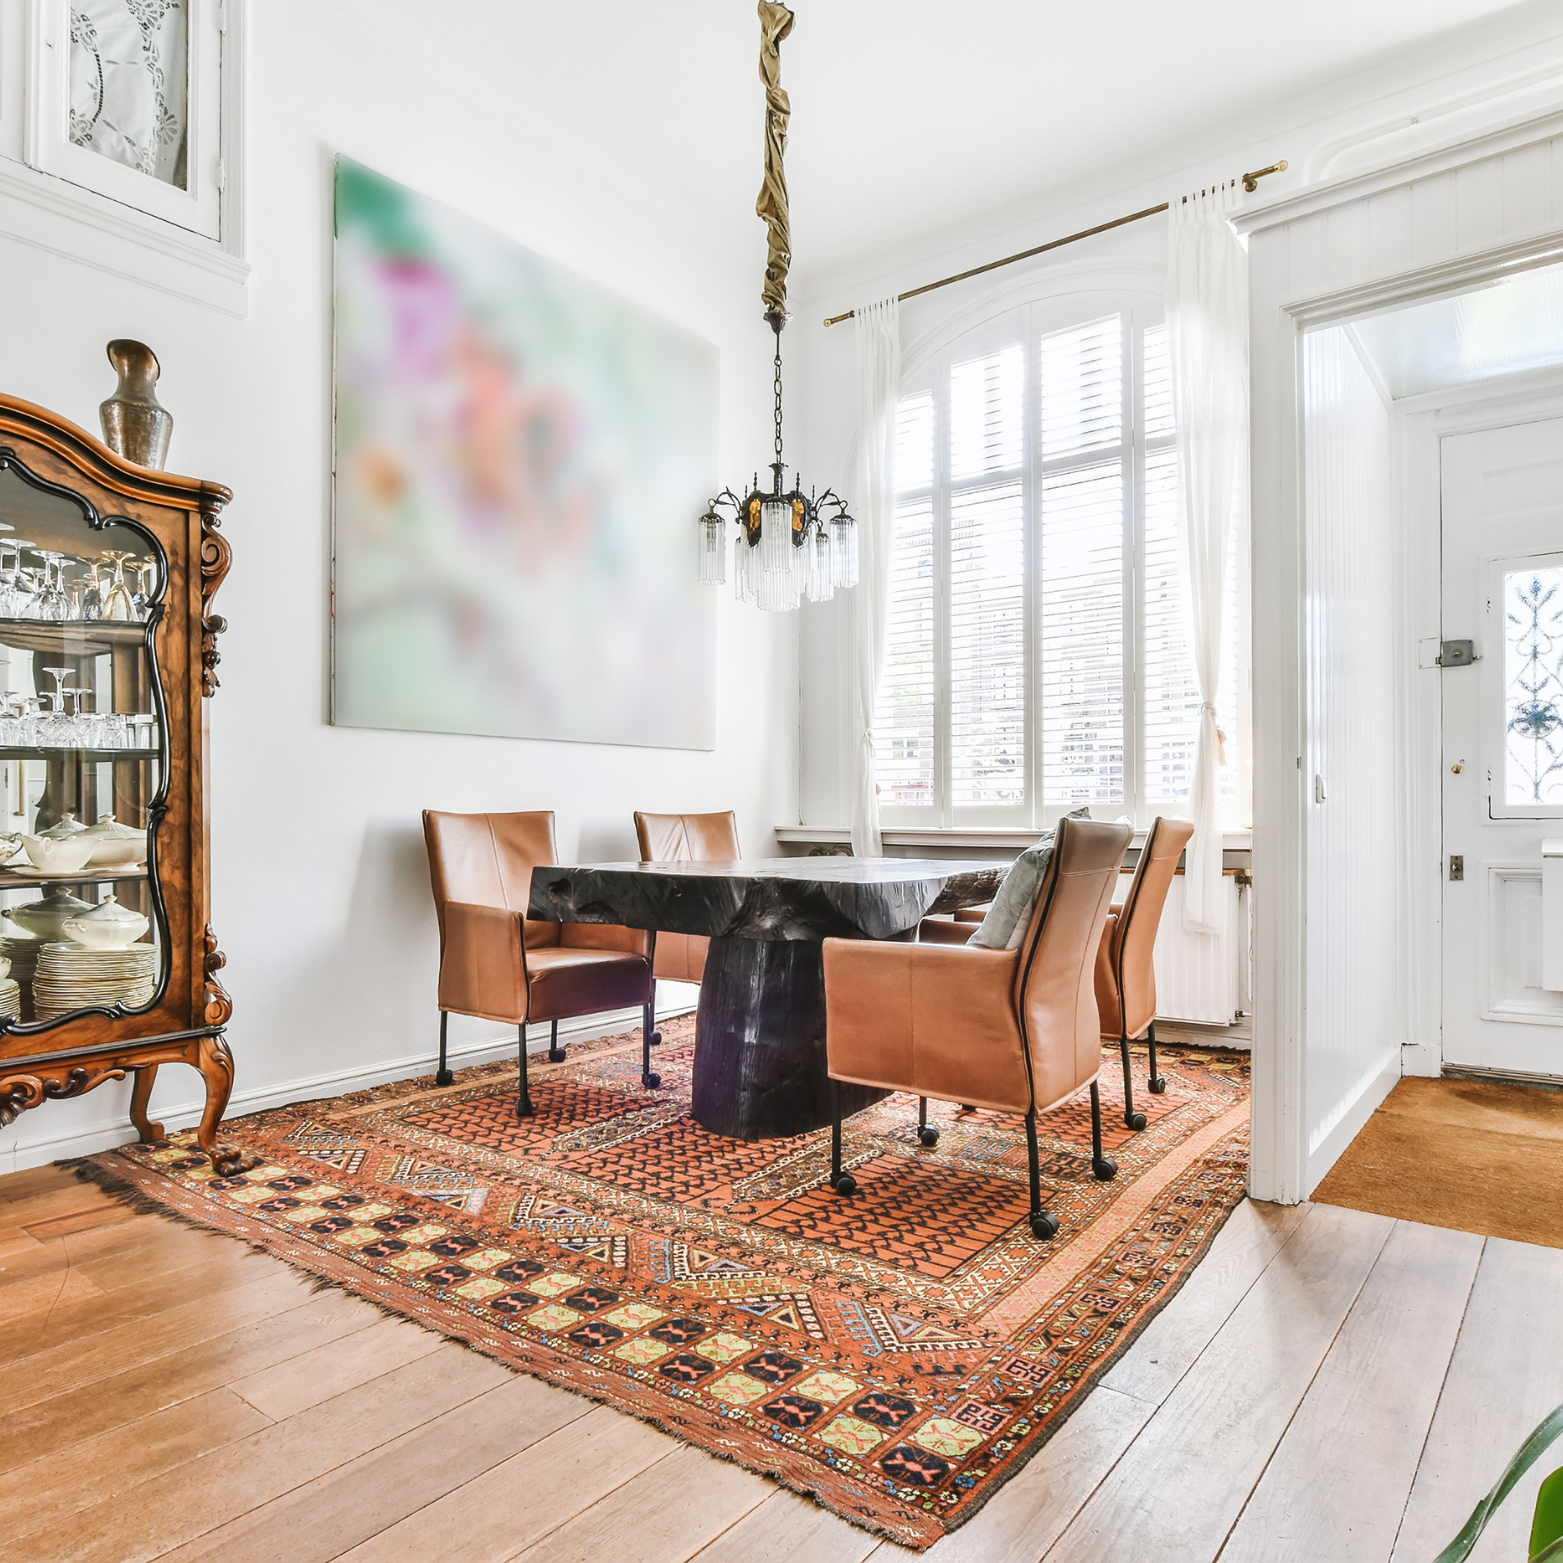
(1082, 541)
(987, 580)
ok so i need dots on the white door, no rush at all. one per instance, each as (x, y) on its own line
(1502, 743)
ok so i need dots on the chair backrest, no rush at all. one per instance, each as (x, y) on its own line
(487, 860)
(1134, 972)
(1056, 982)
(687, 838)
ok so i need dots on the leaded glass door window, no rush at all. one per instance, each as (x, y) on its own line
(1522, 687)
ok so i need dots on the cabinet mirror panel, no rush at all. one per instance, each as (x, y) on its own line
(82, 755)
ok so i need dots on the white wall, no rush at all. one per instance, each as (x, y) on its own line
(320, 895)
(1353, 888)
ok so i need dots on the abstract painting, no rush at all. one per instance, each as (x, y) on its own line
(520, 458)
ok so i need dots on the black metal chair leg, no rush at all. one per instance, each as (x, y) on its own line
(524, 1108)
(1158, 1084)
(443, 1075)
(1043, 1224)
(555, 1052)
(1104, 1168)
(929, 1137)
(841, 1182)
(648, 1040)
(1131, 1119)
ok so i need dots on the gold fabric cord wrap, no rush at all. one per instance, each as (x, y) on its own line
(775, 24)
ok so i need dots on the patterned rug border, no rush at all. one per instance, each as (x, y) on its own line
(151, 1190)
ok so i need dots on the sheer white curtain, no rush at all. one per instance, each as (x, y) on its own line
(873, 500)
(1207, 335)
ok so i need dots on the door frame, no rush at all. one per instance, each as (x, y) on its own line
(1280, 314)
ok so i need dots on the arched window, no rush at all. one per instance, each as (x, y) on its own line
(1037, 655)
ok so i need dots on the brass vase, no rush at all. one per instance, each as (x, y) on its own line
(135, 425)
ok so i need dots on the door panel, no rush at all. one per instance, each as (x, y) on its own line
(1502, 742)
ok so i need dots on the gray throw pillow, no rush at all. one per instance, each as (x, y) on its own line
(1010, 915)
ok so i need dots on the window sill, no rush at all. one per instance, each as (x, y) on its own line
(958, 836)
(54, 215)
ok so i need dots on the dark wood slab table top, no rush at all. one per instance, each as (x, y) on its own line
(760, 1061)
(807, 898)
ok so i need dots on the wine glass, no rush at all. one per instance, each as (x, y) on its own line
(51, 603)
(117, 601)
(92, 591)
(13, 593)
(146, 586)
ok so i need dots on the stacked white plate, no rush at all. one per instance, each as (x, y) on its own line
(71, 977)
(23, 956)
(10, 999)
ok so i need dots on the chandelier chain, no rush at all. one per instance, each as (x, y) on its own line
(778, 405)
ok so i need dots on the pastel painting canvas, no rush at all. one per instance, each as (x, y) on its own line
(520, 458)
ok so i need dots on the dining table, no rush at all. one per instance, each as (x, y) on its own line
(760, 1065)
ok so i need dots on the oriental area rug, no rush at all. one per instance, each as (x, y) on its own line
(897, 1355)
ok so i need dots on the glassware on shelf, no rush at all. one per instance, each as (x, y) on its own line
(14, 595)
(92, 591)
(143, 731)
(146, 586)
(50, 602)
(118, 604)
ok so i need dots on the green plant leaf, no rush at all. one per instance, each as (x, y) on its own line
(1546, 1533)
(1529, 1452)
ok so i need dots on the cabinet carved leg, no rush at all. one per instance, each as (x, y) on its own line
(216, 1065)
(140, 1096)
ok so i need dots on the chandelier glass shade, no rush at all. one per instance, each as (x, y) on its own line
(790, 545)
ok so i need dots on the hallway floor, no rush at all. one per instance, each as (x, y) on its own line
(1329, 1385)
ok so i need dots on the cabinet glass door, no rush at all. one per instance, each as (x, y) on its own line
(83, 756)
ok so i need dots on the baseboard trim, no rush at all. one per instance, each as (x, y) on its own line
(1375, 1088)
(484, 1050)
(1502, 1076)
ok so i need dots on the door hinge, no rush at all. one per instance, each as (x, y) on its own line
(222, 175)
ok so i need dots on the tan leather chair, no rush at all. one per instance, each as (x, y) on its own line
(1125, 974)
(951, 930)
(685, 838)
(499, 964)
(1011, 1030)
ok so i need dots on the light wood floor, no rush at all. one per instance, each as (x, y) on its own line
(1329, 1385)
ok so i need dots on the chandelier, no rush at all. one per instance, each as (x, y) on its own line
(789, 545)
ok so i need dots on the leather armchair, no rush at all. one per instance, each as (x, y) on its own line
(1125, 974)
(499, 964)
(685, 838)
(1016, 1031)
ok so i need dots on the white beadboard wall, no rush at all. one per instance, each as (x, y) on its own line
(1353, 1048)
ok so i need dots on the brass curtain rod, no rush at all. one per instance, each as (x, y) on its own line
(1250, 183)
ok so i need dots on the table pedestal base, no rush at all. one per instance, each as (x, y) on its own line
(760, 1044)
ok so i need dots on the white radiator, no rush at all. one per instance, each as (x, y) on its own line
(1199, 975)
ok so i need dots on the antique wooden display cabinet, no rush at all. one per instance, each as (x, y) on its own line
(108, 650)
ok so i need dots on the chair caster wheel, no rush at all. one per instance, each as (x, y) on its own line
(1105, 1170)
(444, 1076)
(655, 1039)
(844, 1183)
(1159, 1086)
(1043, 1225)
(928, 1135)
(1134, 1121)
(556, 1055)
(524, 1108)
(651, 1081)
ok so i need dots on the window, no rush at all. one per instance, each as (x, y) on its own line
(120, 98)
(1037, 646)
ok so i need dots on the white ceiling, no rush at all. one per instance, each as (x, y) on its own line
(1509, 328)
(909, 115)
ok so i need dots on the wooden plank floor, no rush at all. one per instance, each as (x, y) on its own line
(1328, 1385)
